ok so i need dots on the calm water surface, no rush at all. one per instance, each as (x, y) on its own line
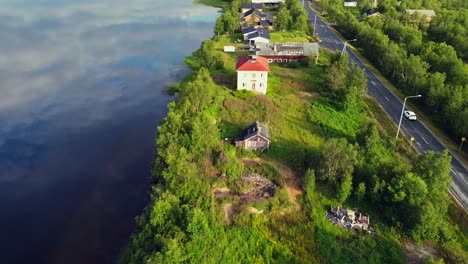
(81, 92)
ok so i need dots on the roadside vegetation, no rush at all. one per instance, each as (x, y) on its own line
(326, 148)
(417, 56)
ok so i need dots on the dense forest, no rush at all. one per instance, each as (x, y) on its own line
(326, 149)
(419, 57)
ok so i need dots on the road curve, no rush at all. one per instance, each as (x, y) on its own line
(425, 140)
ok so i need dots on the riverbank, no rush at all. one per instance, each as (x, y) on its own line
(209, 203)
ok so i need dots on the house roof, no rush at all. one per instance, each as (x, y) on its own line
(252, 5)
(252, 63)
(254, 129)
(424, 12)
(265, 23)
(255, 12)
(259, 32)
(248, 30)
(287, 48)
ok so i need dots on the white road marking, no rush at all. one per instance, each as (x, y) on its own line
(387, 98)
(336, 42)
(425, 140)
(373, 83)
(454, 172)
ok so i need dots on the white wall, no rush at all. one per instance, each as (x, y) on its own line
(260, 39)
(246, 79)
(352, 4)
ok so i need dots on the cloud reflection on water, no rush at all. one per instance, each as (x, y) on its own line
(71, 73)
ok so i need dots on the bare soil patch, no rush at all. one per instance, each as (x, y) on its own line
(418, 254)
(256, 187)
(292, 182)
(290, 177)
(228, 212)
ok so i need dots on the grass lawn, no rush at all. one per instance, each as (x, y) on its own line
(301, 118)
(214, 3)
(289, 37)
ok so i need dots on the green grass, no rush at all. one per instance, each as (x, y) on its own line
(300, 119)
(289, 37)
(356, 11)
(214, 3)
(331, 123)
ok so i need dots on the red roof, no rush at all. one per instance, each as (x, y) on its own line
(247, 63)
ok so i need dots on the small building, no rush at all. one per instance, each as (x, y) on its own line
(257, 18)
(350, 3)
(428, 13)
(252, 73)
(254, 35)
(287, 51)
(229, 49)
(268, 2)
(247, 6)
(255, 136)
(258, 35)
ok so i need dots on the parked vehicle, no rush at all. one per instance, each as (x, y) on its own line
(249, 48)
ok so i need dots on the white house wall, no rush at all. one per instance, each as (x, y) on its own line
(255, 81)
(260, 39)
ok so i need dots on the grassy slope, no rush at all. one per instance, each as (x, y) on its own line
(300, 121)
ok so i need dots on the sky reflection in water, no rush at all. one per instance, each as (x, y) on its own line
(81, 91)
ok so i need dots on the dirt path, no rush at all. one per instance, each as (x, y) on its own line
(418, 254)
(292, 182)
(228, 212)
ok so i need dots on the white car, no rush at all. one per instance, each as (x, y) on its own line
(409, 115)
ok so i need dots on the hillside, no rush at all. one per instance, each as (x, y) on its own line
(329, 146)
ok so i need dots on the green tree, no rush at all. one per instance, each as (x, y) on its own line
(345, 187)
(219, 26)
(339, 158)
(437, 92)
(309, 185)
(231, 21)
(361, 192)
(283, 19)
(209, 56)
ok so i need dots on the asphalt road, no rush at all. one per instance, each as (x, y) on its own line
(424, 138)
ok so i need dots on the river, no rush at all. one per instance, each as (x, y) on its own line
(82, 89)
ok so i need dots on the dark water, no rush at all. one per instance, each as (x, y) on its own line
(81, 92)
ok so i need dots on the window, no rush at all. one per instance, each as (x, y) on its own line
(270, 60)
(279, 60)
(243, 84)
(261, 84)
(261, 74)
(253, 143)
